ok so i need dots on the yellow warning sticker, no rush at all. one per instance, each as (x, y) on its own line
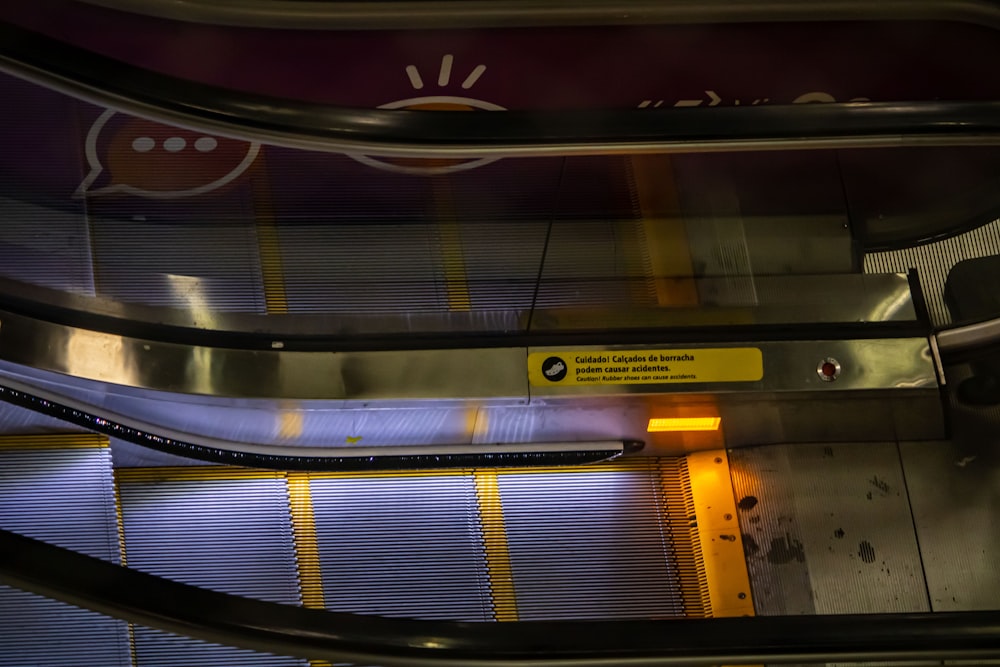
(569, 368)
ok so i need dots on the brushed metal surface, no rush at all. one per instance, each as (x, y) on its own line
(828, 530)
(897, 363)
(421, 402)
(901, 363)
(453, 396)
(358, 376)
(955, 495)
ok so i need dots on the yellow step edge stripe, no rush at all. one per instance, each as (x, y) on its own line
(54, 441)
(306, 545)
(665, 236)
(719, 534)
(456, 280)
(272, 270)
(495, 543)
(310, 572)
(120, 525)
(453, 258)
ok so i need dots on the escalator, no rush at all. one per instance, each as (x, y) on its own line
(593, 369)
(454, 545)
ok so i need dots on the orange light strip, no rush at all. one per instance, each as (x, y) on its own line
(663, 424)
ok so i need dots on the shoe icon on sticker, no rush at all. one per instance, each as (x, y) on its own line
(554, 369)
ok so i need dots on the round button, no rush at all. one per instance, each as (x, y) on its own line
(828, 369)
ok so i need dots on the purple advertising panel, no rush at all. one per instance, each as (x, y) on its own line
(547, 68)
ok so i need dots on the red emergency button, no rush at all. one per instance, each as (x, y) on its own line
(828, 369)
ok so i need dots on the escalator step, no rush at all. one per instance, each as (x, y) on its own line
(59, 488)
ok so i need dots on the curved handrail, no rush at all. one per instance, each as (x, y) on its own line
(283, 457)
(968, 338)
(394, 133)
(437, 14)
(142, 598)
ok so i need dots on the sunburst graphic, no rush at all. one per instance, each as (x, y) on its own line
(444, 75)
(445, 79)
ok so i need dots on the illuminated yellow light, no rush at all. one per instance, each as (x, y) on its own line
(661, 424)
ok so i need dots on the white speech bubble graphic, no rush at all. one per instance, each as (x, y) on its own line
(97, 168)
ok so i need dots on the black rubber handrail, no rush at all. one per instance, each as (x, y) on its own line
(319, 458)
(968, 338)
(327, 332)
(436, 14)
(115, 84)
(142, 598)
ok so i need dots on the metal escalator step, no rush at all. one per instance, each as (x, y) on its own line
(404, 547)
(230, 533)
(203, 267)
(589, 545)
(59, 488)
(594, 541)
